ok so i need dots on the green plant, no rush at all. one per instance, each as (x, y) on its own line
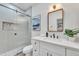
(71, 33)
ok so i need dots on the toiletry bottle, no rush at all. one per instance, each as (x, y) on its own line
(46, 34)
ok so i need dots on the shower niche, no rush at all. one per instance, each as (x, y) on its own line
(7, 26)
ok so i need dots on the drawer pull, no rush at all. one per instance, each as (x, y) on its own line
(35, 43)
(35, 50)
(47, 54)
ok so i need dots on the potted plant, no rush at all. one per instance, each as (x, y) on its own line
(71, 34)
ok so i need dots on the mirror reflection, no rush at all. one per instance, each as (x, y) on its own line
(55, 20)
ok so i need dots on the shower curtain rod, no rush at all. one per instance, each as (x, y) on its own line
(14, 10)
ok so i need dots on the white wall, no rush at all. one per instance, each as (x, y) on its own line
(40, 9)
(70, 17)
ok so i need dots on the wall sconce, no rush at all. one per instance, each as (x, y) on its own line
(54, 7)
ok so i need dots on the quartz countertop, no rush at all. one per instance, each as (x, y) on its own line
(61, 42)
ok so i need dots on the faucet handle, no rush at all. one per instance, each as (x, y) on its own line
(46, 34)
(57, 37)
(53, 35)
(50, 36)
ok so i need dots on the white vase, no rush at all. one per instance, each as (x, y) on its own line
(72, 38)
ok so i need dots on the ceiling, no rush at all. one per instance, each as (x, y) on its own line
(26, 6)
(23, 6)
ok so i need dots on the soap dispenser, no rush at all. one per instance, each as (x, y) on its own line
(46, 34)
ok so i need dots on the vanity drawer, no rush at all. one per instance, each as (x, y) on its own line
(35, 43)
(35, 48)
(35, 52)
(53, 48)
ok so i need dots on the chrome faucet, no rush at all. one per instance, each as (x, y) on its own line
(53, 35)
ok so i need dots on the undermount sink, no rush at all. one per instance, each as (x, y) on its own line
(59, 39)
(48, 38)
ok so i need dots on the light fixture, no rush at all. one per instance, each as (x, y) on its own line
(54, 6)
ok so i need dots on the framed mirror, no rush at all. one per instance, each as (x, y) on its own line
(55, 20)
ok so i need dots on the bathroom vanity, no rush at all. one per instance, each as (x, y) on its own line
(44, 46)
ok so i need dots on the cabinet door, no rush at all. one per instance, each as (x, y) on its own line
(53, 49)
(35, 47)
(72, 52)
(43, 52)
(47, 52)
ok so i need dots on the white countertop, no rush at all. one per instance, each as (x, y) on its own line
(61, 42)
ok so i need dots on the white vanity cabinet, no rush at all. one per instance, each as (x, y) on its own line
(35, 47)
(48, 47)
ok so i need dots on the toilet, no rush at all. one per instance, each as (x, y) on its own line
(27, 50)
